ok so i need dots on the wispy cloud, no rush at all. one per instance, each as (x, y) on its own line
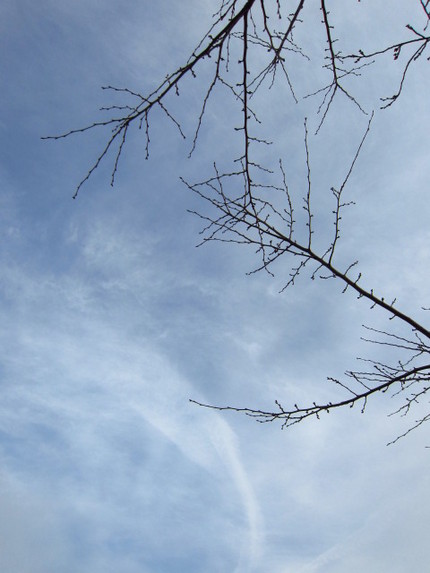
(111, 321)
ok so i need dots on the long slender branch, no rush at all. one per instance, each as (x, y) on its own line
(234, 211)
(328, 265)
(300, 413)
(141, 111)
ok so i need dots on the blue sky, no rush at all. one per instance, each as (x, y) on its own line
(112, 319)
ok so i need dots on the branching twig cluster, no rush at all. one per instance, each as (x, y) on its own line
(249, 45)
(419, 43)
(273, 233)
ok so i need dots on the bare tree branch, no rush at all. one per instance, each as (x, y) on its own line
(252, 204)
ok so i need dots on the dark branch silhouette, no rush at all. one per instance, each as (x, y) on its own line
(250, 47)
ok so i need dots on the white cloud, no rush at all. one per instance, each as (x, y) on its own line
(111, 321)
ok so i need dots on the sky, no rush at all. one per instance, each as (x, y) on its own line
(112, 319)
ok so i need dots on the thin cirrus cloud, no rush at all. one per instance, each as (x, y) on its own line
(111, 321)
(91, 384)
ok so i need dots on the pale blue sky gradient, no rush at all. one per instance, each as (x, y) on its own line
(112, 319)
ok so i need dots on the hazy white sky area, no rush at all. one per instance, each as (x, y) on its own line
(112, 319)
